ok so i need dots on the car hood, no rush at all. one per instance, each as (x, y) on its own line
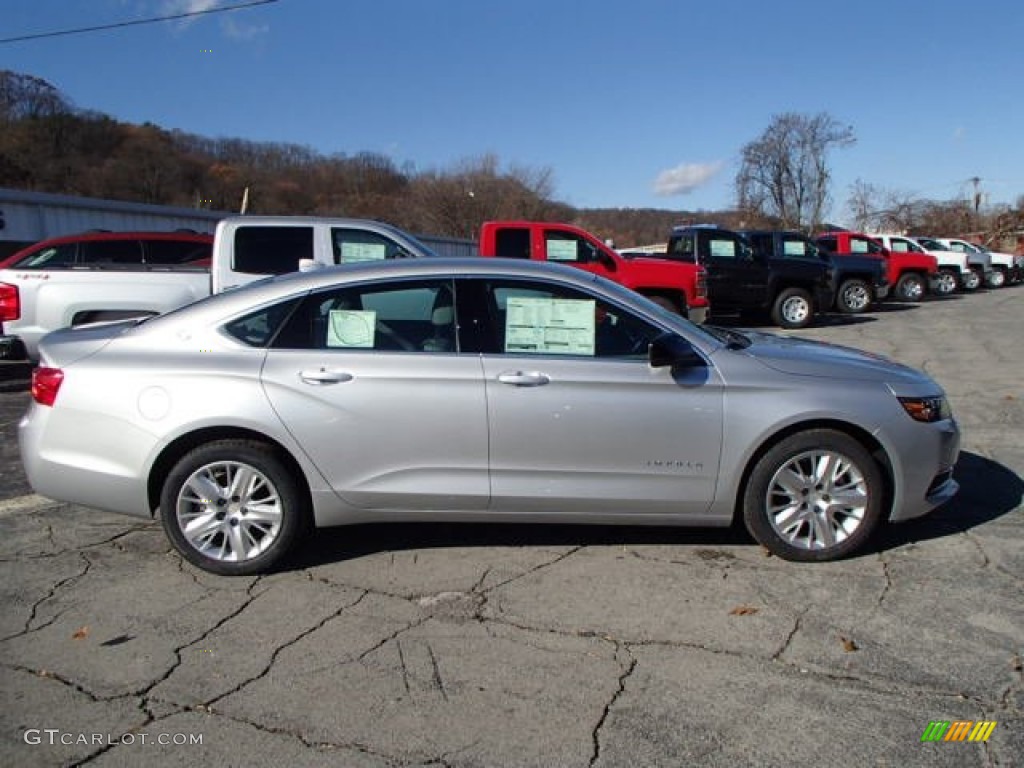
(804, 357)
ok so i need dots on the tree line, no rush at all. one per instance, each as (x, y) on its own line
(48, 145)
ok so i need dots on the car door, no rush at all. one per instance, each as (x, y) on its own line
(736, 275)
(579, 421)
(370, 381)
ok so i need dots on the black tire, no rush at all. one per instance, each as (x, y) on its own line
(804, 534)
(946, 283)
(854, 296)
(911, 287)
(283, 516)
(793, 308)
(998, 278)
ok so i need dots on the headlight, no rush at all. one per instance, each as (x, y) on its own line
(926, 409)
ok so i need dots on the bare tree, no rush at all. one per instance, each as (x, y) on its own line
(784, 173)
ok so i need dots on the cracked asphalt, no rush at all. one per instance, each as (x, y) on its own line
(446, 645)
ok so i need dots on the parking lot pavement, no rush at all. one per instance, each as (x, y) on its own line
(420, 645)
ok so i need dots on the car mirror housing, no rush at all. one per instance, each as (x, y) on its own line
(670, 349)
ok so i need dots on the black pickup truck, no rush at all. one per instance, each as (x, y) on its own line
(742, 279)
(860, 281)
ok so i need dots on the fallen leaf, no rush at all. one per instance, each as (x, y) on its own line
(80, 634)
(848, 645)
(743, 610)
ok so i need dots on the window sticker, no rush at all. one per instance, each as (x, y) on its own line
(550, 326)
(352, 252)
(723, 249)
(858, 246)
(793, 248)
(563, 250)
(351, 328)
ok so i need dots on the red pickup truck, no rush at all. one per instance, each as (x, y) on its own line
(912, 275)
(677, 286)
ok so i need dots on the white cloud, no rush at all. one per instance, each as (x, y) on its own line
(685, 178)
(237, 31)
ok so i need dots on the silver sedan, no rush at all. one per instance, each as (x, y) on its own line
(475, 390)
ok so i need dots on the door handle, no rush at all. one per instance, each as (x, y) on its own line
(523, 379)
(324, 376)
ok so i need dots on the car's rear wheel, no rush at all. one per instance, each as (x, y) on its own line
(997, 279)
(816, 495)
(793, 308)
(946, 282)
(854, 297)
(911, 287)
(232, 507)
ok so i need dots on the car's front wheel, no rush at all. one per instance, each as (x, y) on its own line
(793, 308)
(232, 507)
(816, 495)
(972, 280)
(997, 279)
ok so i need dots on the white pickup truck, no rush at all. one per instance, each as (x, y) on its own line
(1006, 267)
(955, 270)
(105, 276)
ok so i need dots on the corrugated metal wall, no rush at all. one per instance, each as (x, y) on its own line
(28, 217)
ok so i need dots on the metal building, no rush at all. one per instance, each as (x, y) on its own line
(28, 217)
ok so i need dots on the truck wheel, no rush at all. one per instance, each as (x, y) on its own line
(793, 308)
(854, 297)
(997, 279)
(972, 280)
(815, 496)
(232, 507)
(946, 283)
(910, 287)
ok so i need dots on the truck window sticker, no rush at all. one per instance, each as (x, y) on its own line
(722, 249)
(550, 326)
(353, 252)
(351, 328)
(793, 248)
(858, 246)
(562, 250)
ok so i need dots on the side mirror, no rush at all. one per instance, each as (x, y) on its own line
(606, 261)
(670, 349)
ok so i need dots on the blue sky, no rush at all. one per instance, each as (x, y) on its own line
(631, 104)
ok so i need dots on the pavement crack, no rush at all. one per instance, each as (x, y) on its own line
(405, 667)
(438, 680)
(281, 648)
(887, 576)
(530, 571)
(49, 596)
(624, 675)
(789, 637)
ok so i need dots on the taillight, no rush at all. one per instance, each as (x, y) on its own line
(10, 302)
(45, 384)
(702, 283)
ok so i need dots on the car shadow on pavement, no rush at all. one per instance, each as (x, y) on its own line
(333, 545)
(988, 490)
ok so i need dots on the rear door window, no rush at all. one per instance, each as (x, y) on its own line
(110, 253)
(271, 250)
